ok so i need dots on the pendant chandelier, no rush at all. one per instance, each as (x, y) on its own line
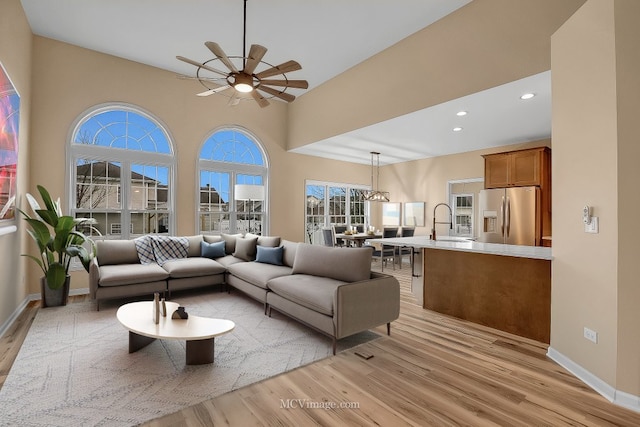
(375, 194)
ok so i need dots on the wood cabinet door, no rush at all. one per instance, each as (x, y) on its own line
(496, 170)
(525, 168)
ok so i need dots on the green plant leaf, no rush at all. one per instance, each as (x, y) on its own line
(41, 233)
(56, 275)
(63, 230)
(47, 216)
(46, 198)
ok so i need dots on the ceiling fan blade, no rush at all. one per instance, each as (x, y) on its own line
(197, 64)
(262, 102)
(214, 90)
(255, 56)
(285, 67)
(217, 51)
(298, 84)
(282, 95)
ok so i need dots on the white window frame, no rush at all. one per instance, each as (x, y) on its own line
(126, 158)
(234, 169)
(327, 217)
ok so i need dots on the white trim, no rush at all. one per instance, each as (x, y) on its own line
(8, 229)
(32, 297)
(9, 322)
(617, 397)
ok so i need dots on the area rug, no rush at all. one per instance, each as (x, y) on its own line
(74, 368)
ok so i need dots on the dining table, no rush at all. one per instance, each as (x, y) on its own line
(357, 239)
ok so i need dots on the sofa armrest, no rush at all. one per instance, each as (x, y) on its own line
(366, 304)
(94, 277)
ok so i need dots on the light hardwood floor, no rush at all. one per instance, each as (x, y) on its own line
(432, 370)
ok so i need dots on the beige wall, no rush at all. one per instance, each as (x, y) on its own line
(481, 45)
(15, 55)
(595, 66)
(77, 79)
(427, 180)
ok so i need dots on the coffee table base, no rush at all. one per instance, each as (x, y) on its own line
(198, 352)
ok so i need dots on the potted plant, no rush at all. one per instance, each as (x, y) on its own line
(59, 241)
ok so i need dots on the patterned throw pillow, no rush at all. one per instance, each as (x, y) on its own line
(268, 255)
(212, 250)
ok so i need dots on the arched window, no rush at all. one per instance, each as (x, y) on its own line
(121, 172)
(232, 194)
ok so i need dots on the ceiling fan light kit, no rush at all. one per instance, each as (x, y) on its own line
(245, 81)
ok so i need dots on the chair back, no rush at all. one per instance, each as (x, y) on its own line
(360, 228)
(408, 232)
(390, 232)
(339, 229)
(328, 236)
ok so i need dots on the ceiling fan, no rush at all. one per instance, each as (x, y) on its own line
(243, 79)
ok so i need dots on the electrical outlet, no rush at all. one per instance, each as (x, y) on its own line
(592, 227)
(591, 335)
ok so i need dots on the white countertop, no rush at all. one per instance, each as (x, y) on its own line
(460, 244)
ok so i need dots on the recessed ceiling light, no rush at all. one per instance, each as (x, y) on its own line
(461, 113)
(458, 129)
(528, 96)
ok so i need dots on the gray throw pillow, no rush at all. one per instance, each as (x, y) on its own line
(269, 255)
(245, 248)
(212, 250)
(230, 240)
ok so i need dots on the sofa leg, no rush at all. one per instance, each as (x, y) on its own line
(389, 328)
(268, 308)
(334, 345)
(97, 304)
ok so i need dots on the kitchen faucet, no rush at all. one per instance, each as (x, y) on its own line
(433, 229)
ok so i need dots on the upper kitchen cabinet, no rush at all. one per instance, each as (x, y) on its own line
(520, 168)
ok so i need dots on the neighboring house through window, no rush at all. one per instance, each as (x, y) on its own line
(229, 157)
(333, 204)
(121, 172)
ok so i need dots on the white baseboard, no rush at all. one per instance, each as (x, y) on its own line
(617, 397)
(32, 297)
(7, 324)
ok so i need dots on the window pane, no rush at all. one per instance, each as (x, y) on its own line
(337, 205)
(214, 222)
(149, 222)
(231, 146)
(107, 223)
(97, 185)
(123, 129)
(149, 187)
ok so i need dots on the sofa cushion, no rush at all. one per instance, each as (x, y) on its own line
(246, 248)
(194, 245)
(210, 238)
(315, 293)
(269, 241)
(346, 264)
(212, 250)
(268, 255)
(230, 242)
(258, 274)
(289, 255)
(117, 252)
(192, 267)
(128, 274)
(228, 260)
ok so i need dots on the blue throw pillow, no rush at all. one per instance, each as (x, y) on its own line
(268, 255)
(212, 250)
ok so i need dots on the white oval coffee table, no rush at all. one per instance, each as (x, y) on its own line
(198, 332)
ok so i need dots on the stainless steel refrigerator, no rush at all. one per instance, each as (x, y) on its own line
(510, 215)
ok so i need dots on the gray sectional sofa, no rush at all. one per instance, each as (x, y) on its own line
(332, 290)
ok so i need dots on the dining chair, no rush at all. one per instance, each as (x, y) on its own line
(328, 236)
(406, 250)
(386, 251)
(339, 229)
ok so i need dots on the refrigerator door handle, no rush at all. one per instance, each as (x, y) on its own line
(502, 216)
(508, 215)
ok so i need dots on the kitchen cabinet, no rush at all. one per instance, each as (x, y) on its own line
(520, 168)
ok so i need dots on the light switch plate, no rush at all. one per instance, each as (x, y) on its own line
(592, 227)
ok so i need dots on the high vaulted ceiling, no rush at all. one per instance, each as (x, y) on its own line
(327, 37)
